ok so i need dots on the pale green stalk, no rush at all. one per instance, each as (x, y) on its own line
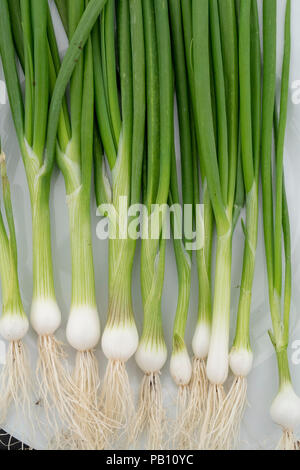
(275, 227)
(250, 119)
(159, 65)
(11, 297)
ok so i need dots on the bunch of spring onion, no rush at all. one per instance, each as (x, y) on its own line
(285, 409)
(30, 118)
(36, 126)
(81, 338)
(122, 131)
(215, 65)
(180, 366)
(15, 380)
(241, 356)
(201, 338)
(75, 160)
(151, 354)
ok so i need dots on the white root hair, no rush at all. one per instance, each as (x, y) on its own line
(151, 416)
(16, 382)
(287, 441)
(87, 418)
(228, 421)
(182, 432)
(56, 389)
(116, 396)
(211, 420)
(198, 395)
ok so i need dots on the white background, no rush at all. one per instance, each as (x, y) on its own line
(258, 431)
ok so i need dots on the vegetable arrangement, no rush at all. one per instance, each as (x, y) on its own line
(106, 109)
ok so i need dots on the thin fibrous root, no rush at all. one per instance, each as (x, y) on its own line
(198, 394)
(228, 421)
(116, 396)
(211, 423)
(182, 434)
(56, 388)
(151, 416)
(15, 382)
(287, 441)
(94, 428)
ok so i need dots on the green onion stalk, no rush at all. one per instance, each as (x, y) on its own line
(15, 380)
(151, 355)
(180, 365)
(121, 114)
(75, 159)
(285, 409)
(241, 356)
(36, 120)
(215, 62)
(201, 338)
(80, 139)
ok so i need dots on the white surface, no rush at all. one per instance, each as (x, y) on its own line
(258, 430)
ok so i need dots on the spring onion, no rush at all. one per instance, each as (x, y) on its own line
(15, 381)
(201, 337)
(180, 365)
(151, 354)
(122, 130)
(220, 166)
(285, 409)
(83, 327)
(241, 356)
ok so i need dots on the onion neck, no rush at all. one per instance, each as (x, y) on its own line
(121, 256)
(242, 337)
(217, 363)
(43, 284)
(83, 278)
(283, 368)
(152, 278)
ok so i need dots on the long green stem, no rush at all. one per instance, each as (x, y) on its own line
(11, 297)
(153, 132)
(273, 232)
(153, 251)
(228, 28)
(83, 281)
(280, 152)
(250, 129)
(204, 117)
(76, 166)
(183, 258)
(203, 255)
(43, 285)
(269, 84)
(242, 338)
